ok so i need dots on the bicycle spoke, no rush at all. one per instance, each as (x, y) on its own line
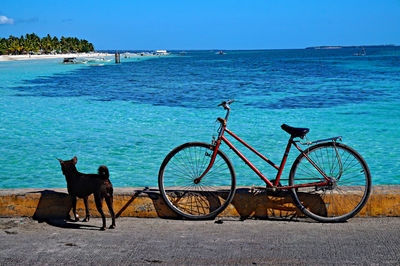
(349, 185)
(197, 199)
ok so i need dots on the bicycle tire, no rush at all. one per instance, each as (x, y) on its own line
(206, 199)
(347, 194)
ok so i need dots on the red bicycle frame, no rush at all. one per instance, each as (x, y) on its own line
(291, 142)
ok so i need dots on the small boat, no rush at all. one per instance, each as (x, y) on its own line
(98, 60)
(73, 60)
(69, 60)
(161, 52)
(91, 64)
(362, 53)
(220, 52)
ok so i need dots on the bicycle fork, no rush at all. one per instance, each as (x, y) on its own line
(214, 155)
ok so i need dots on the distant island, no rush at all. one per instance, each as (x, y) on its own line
(353, 46)
(31, 44)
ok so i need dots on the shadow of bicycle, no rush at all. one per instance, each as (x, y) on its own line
(247, 203)
(264, 204)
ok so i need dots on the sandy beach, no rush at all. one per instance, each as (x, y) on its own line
(50, 56)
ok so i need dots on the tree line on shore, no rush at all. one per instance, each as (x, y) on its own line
(33, 44)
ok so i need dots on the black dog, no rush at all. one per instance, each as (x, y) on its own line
(82, 185)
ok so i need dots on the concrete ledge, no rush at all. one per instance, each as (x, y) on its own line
(148, 203)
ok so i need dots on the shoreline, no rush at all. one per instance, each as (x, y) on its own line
(4, 58)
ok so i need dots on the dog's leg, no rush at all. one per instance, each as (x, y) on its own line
(85, 200)
(76, 216)
(109, 201)
(99, 205)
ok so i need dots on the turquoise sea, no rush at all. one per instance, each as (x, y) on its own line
(128, 116)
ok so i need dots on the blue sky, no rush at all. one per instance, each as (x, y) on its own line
(173, 24)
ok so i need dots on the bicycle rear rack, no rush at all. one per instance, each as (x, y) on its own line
(334, 139)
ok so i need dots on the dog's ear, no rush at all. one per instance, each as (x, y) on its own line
(75, 160)
(61, 161)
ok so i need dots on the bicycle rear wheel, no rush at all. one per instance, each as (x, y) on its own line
(176, 181)
(348, 191)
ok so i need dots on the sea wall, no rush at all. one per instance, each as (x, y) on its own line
(148, 203)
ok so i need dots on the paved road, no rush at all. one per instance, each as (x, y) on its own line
(157, 241)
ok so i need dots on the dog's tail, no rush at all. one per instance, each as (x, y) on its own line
(103, 172)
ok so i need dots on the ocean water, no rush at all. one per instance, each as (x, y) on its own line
(128, 116)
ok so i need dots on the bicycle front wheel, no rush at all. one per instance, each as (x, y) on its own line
(196, 200)
(348, 190)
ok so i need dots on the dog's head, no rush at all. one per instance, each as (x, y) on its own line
(68, 166)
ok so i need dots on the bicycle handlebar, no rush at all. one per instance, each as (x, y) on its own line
(225, 104)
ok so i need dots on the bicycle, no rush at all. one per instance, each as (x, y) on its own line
(328, 181)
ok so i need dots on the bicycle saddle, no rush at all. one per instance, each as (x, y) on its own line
(295, 132)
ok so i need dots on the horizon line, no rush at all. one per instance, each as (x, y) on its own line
(258, 49)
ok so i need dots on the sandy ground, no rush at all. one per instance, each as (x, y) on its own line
(50, 56)
(360, 241)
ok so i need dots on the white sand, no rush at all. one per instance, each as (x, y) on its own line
(50, 56)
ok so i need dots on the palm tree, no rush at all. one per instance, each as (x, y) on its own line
(46, 44)
(3, 46)
(32, 43)
(55, 44)
(14, 46)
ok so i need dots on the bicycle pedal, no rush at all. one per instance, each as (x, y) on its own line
(255, 189)
(259, 187)
(274, 191)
